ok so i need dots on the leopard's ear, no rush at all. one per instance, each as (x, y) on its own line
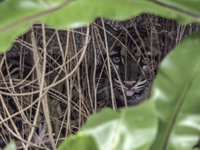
(106, 26)
(110, 30)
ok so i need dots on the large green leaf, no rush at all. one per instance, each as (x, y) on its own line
(126, 129)
(176, 93)
(190, 8)
(15, 15)
(183, 11)
(79, 142)
(10, 146)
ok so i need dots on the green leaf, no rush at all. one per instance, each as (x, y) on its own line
(17, 15)
(185, 11)
(78, 142)
(6, 38)
(10, 146)
(177, 97)
(125, 129)
(191, 8)
(14, 10)
(13, 16)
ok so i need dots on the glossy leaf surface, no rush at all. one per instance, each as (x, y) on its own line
(10, 146)
(177, 97)
(126, 129)
(78, 142)
(17, 15)
(190, 8)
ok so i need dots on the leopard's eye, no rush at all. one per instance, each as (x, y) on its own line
(116, 59)
(145, 61)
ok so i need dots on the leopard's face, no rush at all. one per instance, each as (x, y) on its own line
(129, 74)
(132, 66)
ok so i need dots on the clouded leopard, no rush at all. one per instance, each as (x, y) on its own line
(132, 60)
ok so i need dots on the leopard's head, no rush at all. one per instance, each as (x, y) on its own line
(129, 74)
(130, 60)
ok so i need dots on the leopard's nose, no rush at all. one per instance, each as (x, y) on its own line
(129, 83)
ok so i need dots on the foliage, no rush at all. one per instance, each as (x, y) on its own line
(116, 130)
(10, 146)
(176, 95)
(79, 141)
(175, 91)
(20, 14)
